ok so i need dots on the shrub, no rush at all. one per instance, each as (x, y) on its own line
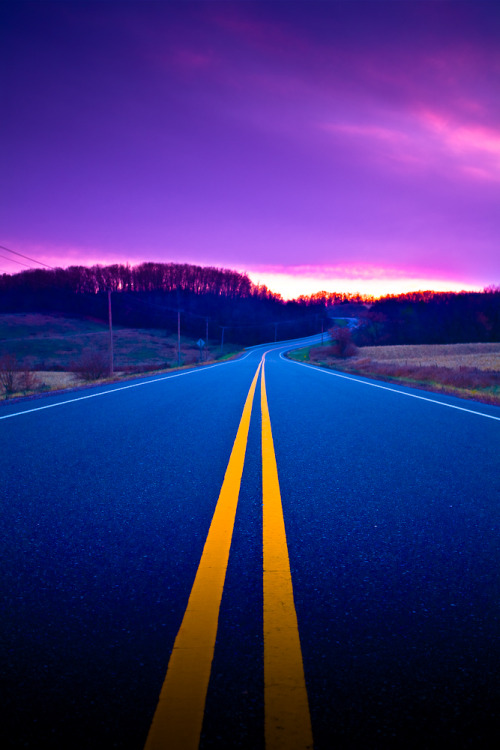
(92, 365)
(28, 381)
(9, 372)
(343, 345)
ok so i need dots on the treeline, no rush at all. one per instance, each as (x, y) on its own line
(432, 318)
(145, 277)
(150, 295)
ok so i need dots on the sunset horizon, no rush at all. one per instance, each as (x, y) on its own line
(288, 282)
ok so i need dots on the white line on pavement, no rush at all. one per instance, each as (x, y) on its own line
(113, 390)
(125, 387)
(394, 390)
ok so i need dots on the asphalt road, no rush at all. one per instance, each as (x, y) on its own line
(390, 499)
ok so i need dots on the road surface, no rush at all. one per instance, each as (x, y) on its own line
(247, 555)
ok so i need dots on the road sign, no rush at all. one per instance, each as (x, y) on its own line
(200, 343)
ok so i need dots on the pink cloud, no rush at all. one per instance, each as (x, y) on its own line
(477, 147)
(428, 139)
(461, 138)
(480, 174)
(403, 145)
(367, 131)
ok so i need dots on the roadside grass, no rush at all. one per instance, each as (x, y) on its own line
(300, 355)
(467, 370)
(52, 346)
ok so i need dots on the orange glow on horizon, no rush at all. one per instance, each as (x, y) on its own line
(293, 285)
(290, 282)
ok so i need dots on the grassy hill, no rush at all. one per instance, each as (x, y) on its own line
(57, 343)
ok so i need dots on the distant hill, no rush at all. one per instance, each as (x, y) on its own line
(154, 295)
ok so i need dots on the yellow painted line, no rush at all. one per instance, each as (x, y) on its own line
(178, 718)
(287, 717)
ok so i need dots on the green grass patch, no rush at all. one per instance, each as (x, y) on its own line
(340, 322)
(233, 352)
(300, 355)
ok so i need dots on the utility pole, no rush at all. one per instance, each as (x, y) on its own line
(179, 338)
(178, 326)
(206, 339)
(110, 334)
(222, 341)
(275, 332)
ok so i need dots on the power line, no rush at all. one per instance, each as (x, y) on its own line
(27, 257)
(13, 260)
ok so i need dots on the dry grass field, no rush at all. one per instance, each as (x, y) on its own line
(454, 356)
(465, 370)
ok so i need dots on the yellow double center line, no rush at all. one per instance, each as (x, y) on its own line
(178, 719)
(286, 708)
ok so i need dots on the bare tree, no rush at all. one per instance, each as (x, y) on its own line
(9, 371)
(28, 381)
(343, 345)
(92, 365)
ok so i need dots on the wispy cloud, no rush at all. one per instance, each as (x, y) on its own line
(476, 148)
(429, 140)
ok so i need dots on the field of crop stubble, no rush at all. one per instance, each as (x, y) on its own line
(466, 370)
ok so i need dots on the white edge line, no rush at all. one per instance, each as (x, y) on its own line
(115, 390)
(125, 387)
(386, 388)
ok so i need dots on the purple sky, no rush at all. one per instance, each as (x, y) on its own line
(345, 146)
